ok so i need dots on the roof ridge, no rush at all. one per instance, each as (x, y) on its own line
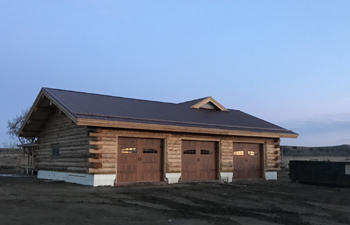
(182, 122)
(105, 95)
(198, 99)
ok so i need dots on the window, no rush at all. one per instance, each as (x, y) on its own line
(129, 150)
(252, 153)
(55, 151)
(149, 150)
(190, 152)
(209, 105)
(206, 152)
(238, 153)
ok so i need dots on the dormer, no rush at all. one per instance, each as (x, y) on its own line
(209, 103)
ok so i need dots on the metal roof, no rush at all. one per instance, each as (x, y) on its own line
(104, 107)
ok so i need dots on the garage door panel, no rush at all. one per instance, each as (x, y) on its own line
(150, 159)
(198, 160)
(151, 176)
(149, 142)
(189, 144)
(247, 160)
(254, 174)
(139, 160)
(207, 167)
(123, 177)
(189, 175)
(207, 175)
(239, 174)
(128, 169)
(190, 166)
(128, 173)
(128, 159)
(127, 141)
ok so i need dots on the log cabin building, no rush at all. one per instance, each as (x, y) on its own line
(94, 139)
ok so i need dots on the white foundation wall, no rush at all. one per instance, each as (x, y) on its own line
(173, 177)
(226, 177)
(78, 178)
(271, 175)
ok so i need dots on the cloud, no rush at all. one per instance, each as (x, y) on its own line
(320, 131)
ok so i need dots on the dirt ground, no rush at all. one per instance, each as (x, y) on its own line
(26, 200)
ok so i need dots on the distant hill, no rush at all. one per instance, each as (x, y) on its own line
(341, 150)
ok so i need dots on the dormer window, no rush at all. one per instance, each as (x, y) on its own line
(209, 105)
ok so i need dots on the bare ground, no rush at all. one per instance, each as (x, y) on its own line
(27, 200)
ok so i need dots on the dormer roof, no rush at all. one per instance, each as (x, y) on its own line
(209, 103)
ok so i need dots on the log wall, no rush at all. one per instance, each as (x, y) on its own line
(73, 141)
(87, 150)
(173, 152)
(272, 154)
(105, 145)
(226, 156)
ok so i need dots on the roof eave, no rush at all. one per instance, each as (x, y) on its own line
(60, 107)
(30, 112)
(43, 94)
(172, 128)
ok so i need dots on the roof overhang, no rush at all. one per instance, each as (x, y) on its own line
(171, 128)
(42, 108)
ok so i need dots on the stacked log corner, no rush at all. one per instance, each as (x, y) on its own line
(73, 141)
(226, 156)
(104, 153)
(173, 152)
(272, 155)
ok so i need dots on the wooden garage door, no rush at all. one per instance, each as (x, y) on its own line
(198, 160)
(246, 161)
(139, 160)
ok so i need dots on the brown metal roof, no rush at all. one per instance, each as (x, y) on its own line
(103, 107)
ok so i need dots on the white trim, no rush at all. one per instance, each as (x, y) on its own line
(271, 175)
(79, 178)
(173, 177)
(226, 177)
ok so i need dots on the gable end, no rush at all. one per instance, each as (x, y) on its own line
(209, 103)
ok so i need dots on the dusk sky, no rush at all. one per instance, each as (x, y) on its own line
(287, 62)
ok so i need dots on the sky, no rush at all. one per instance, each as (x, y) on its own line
(287, 62)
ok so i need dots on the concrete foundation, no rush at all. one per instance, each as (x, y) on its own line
(173, 177)
(226, 176)
(271, 175)
(79, 178)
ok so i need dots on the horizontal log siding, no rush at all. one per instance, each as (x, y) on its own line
(73, 141)
(173, 152)
(226, 156)
(105, 145)
(272, 155)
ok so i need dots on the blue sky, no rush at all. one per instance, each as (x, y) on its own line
(284, 61)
